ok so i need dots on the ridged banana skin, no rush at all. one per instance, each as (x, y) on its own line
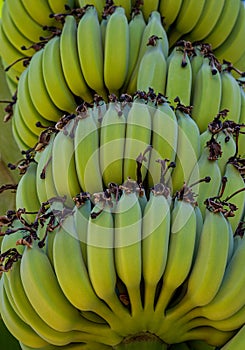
(69, 58)
(25, 133)
(10, 54)
(27, 108)
(111, 152)
(18, 328)
(90, 51)
(153, 27)
(182, 238)
(210, 16)
(23, 21)
(87, 163)
(230, 49)
(138, 138)
(116, 51)
(26, 194)
(207, 96)
(44, 178)
(231, 96)
(205, 167)
(207, 274)
(128, 247)
(179, 77)
(54, 78)
(136, 26)
(225, 23)
(16, 38)
(164, 141)
(234, 183)
(155, 242)
(169, 11)
(20, 143)
(63, 162)
(40, 13)
(236, 340)
(189, 14)
(188, 150)
(229, 299)
(38, 91)
(152, 69)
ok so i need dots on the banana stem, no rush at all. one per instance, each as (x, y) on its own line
(143, 341)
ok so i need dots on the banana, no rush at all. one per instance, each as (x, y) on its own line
(26, 107)
(152, 68)
(204, 168)
(188, 148)
(54, 78)
(28, 137)
(38, 91)
(138, 138)
(182, 238)
(241, 147)
(90, 51)
(44, 178)
(179, 76)
(225, 24)
(116, 51)
(136, 27)
(26, 194)
(126, 4)
(230, 49)
(128, 247)
(69, 58)
(196, 60)
(39, 13)
(234, 183)
(228, 148)
(199, 345)
(228, 300)
(17, 138)
(16, 38)
(153, 27)
(155, 245)
(207, 274)
(209, 18)
(18, 328)
(111, 152)
(7, 339)
(148, 7)
(231, 96)
(236, 340)
(63, 162)
(164, 140)
(87, 163)
(57, 7)
(208, 87)
(24, 22)
(188, 16)
(98, 4)
(169, 11)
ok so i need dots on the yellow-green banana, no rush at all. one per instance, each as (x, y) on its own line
(169, 11)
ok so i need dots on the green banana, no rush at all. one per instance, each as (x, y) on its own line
(236, 340)
(40, 13)
(169, 11)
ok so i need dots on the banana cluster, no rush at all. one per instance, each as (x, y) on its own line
(113, 265)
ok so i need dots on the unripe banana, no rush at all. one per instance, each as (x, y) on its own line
(152, 68)
(236, 340)
(169, 11)
(98, 4)
(116, 51)
(241, 147)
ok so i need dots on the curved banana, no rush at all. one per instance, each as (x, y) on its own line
(169, 11)
(208, 87)
(54, 78)
(179, 76)
(26, 194)
(230, 49)
(225, 23)
(138, 138)
(63, 162)
(69, 58)
(40, 13)
(163, 141)
(188, 149)
(90, 51)
(18, 139)
(155, 245)
(38, 91)
(210, 16)
(116, 51)
(152, 68)
(59, 6)
(111, 152)
(87, 162)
